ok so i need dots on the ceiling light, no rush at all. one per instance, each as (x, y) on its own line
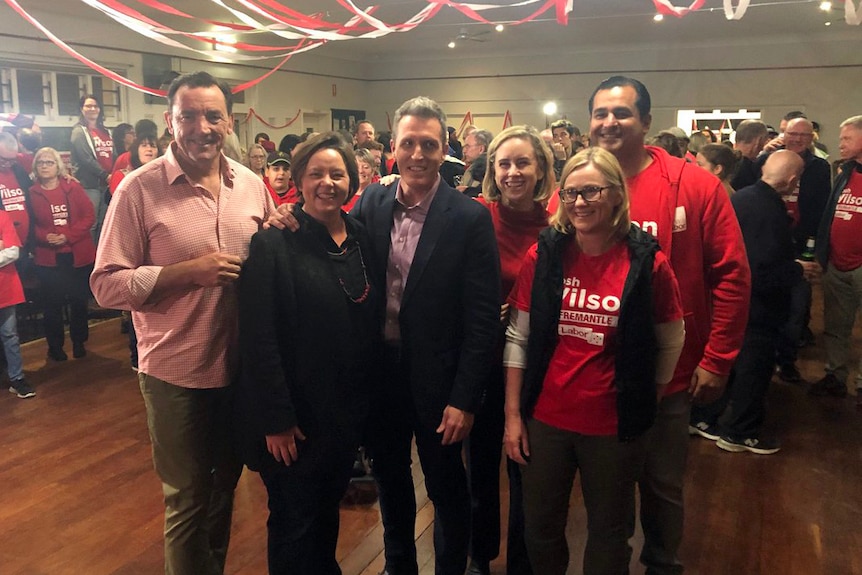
(828, 24)
(223, 43)
(451, 44)
(658, 18)
(550, 108)
(499, 27)
(826, 6)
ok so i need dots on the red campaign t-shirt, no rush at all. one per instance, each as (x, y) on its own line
(58, 203)
(14, 203)
(845, 243)
(578, 392)
(104, 148)
(792, 202)
(11, 291)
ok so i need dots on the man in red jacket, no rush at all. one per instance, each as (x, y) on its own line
(690, 214)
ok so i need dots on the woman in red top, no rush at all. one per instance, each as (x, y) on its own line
(518, 181)
(365, 163)
(64, 251)
(143, 149)
(595, 331)
(93, 156)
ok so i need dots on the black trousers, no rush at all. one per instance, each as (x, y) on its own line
(394, 424)
(62, 284)
(302, 529)
(483, 454)
(792, 330)
(740, 412)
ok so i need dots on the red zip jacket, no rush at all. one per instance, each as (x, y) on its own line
(80, 220)
(689, 212)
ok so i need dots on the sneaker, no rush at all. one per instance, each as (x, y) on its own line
(704, 430)
(752, 444)
(57, 354)
(828, 385)
(788, 373)
(78, 351)
(22, 389)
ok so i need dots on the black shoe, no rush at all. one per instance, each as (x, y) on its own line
(789, 373)
(22, 389)
(828, 385)
(752, 444)
(57, 354)
(479, 568)
(78, 351)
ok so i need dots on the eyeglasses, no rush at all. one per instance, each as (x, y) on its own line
(45, 163)
(589, 193)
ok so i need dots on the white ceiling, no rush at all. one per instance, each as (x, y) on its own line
(594, 25)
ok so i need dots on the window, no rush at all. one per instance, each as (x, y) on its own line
(31, 92)
(68, 94)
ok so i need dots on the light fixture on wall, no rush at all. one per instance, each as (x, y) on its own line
(451, 43)
(550, 108)
(499, 27)
(826, 6)
(223, 43)
(658, 18)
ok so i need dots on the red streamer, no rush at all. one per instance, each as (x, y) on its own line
(252, 112)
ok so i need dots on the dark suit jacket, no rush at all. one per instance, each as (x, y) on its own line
(450, 311)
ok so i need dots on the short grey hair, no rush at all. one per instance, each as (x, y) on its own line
(855, 121)
(54, 155)
(482, 137)
(421, 107)
(8, 141)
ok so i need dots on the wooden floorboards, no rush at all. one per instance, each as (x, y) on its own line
(78, 494)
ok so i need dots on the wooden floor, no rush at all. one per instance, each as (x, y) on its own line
(78, 494)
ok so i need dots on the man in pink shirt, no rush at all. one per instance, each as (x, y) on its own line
(172, 247)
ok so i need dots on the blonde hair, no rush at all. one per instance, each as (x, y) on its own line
(55, 155)
(608, 166)
(544, 186)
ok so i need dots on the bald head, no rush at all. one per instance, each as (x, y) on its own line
(799, 135)
(782, 171)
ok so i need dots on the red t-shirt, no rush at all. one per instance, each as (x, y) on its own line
(11, 291)
(578, 392)
(291, 196)
(791, 201)
(14, 202)
(57, 202)
(124, 161)
(845, 242)
(104, 148)
(25, 160)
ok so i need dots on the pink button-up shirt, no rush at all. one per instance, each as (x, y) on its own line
(158, 218)
(407, 224)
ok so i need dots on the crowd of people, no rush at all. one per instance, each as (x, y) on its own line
(583, 303)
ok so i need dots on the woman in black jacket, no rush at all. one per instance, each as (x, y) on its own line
(308, 332)
(595, 331)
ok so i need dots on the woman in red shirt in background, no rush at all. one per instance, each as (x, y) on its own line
(93, 156)
(518, 181)
(64, 251)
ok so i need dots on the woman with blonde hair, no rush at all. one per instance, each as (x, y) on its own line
(64, 251)
(518, 181)
(595, 330)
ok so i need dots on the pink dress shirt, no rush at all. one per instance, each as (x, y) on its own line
(407, 224)
(158, 218)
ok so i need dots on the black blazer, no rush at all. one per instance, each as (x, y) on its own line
(450, 311)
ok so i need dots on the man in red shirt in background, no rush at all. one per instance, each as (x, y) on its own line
(689, 212)
(278, 179)
(14, 187)
(11, 294)
(839, 251)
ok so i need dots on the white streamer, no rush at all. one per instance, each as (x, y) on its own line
(736, 14)
(851, 15)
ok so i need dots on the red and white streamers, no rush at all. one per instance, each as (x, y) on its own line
(668, 9)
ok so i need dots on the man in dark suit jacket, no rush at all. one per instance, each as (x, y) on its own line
(442, 283)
